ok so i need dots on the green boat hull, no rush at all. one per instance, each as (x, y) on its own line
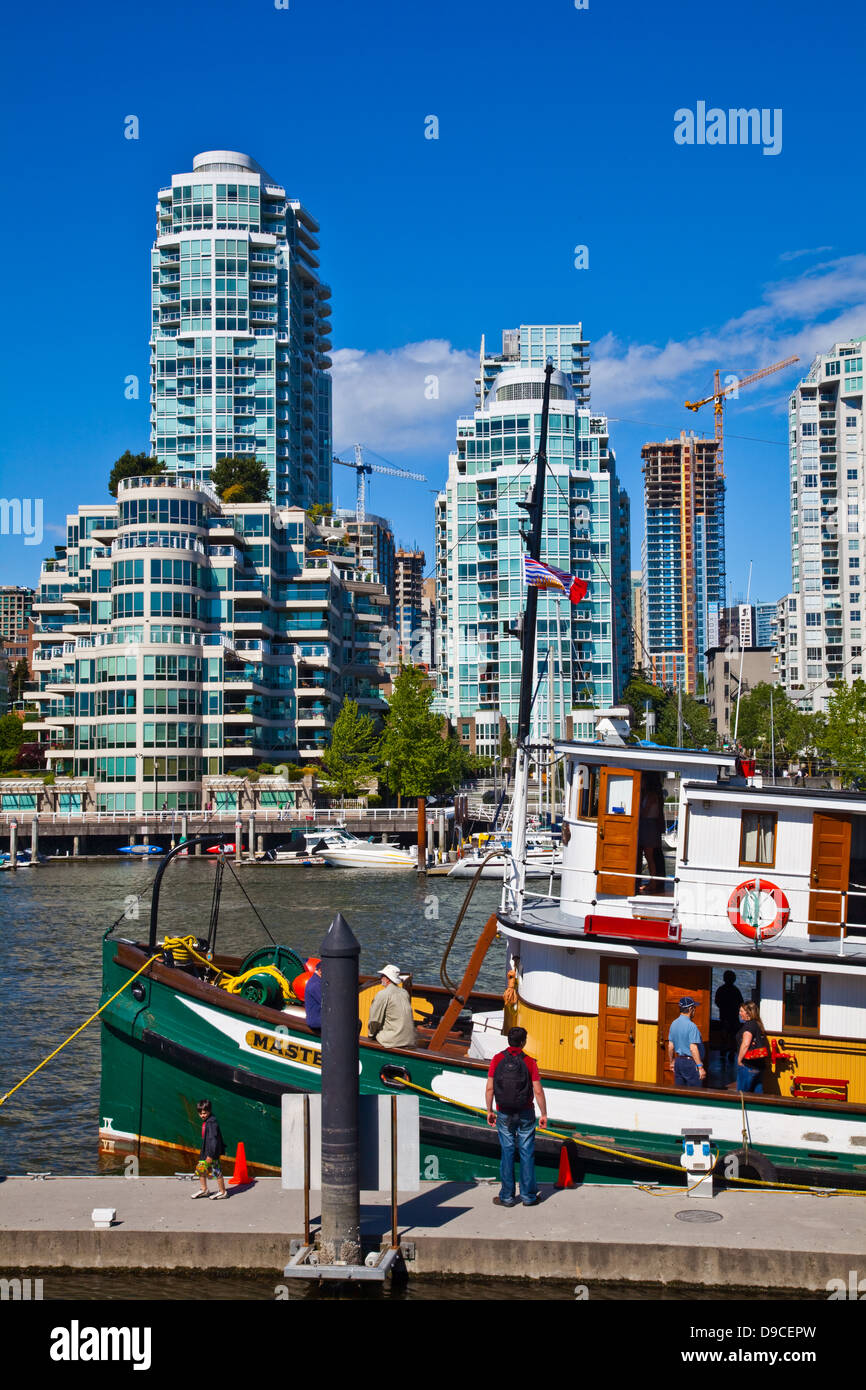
(163, 1051)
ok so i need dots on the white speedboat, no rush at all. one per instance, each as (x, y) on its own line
(343, 850)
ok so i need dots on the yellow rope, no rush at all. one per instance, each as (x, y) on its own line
(638, 1158)
(47, 1059)
(183, 948)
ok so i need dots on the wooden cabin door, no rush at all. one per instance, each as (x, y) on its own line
(831, 858)
(675, 981)
(617, 1012)
(616, 846)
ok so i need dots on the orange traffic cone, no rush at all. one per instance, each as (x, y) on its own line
(564, 1179)
(241, 1175)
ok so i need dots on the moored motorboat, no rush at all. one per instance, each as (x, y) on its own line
(343, 850)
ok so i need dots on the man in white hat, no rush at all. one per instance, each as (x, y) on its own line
(391, 1021)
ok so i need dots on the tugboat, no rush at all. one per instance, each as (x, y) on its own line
(764, 881)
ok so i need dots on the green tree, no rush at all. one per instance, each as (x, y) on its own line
(417, 756)
(17, 681)
(351, 757)
(842, 738)
(698, 731)
(319, 511)
(133, 466)
(11, 732)
(241, 479)
(506, 747)
(793, 731)
(639, 690)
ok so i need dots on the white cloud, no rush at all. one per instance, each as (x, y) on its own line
(406, 399)
(382, 399)
(801, 316)
(808, 251)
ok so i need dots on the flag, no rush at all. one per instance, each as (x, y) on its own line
(538, 575)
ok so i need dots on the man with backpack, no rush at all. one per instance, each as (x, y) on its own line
(513, 1081)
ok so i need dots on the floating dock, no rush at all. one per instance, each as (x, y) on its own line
(594, 1233)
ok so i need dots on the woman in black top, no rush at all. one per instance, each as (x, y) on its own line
(752, 1037)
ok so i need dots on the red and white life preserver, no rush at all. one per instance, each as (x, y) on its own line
(767, 893)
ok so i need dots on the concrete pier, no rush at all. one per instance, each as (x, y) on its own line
(600, 1233)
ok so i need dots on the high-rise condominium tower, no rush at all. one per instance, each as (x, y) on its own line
(821, 620)
(683, 556)
(239, 337)
(480, 584)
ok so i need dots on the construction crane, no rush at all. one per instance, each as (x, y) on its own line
(362, 468)
(718, 396)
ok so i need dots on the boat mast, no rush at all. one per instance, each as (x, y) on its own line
(515, 885)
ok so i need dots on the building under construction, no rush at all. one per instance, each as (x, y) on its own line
(683, 557)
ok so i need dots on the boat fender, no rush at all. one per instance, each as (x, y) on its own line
(299, 984)
(743, 909)
(742, 1163)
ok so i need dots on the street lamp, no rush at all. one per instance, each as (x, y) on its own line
(142, 756)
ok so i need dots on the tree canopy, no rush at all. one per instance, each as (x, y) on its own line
(133, 466)
(841, 737)
(241, 479)
(698, 730)
(793, 730)
(351, 758)
(417, 755)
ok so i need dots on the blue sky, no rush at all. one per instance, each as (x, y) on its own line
(555, 130)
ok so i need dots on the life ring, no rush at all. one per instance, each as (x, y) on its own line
(750, 924)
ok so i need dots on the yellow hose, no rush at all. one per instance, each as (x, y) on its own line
(635, 1158)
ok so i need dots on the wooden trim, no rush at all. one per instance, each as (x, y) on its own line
(834, 1043)
(684, 857)
(750, 863)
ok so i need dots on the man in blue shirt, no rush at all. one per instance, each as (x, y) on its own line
(684, 1046)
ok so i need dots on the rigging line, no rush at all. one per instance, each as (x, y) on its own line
(652, 425)
(513, 478)
(606, 577)
(248, 898)
(810, 690)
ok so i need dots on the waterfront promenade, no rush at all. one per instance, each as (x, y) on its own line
(85, 833)
(594, 1233)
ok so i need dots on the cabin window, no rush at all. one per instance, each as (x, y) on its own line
(587, 793)
(619, 795)
(618, 985)
(758, 838)
(801, 1002)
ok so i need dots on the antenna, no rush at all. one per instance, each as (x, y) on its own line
(742, 658)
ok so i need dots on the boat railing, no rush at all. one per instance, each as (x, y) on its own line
(671, 899)
(299, 815)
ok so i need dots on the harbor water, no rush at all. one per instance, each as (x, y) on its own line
(52, 919)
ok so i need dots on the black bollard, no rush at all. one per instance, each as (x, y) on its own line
(341, 1198)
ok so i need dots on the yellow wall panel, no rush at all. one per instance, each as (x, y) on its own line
(646, 1052)
(560, 1042)
(834, 1058)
